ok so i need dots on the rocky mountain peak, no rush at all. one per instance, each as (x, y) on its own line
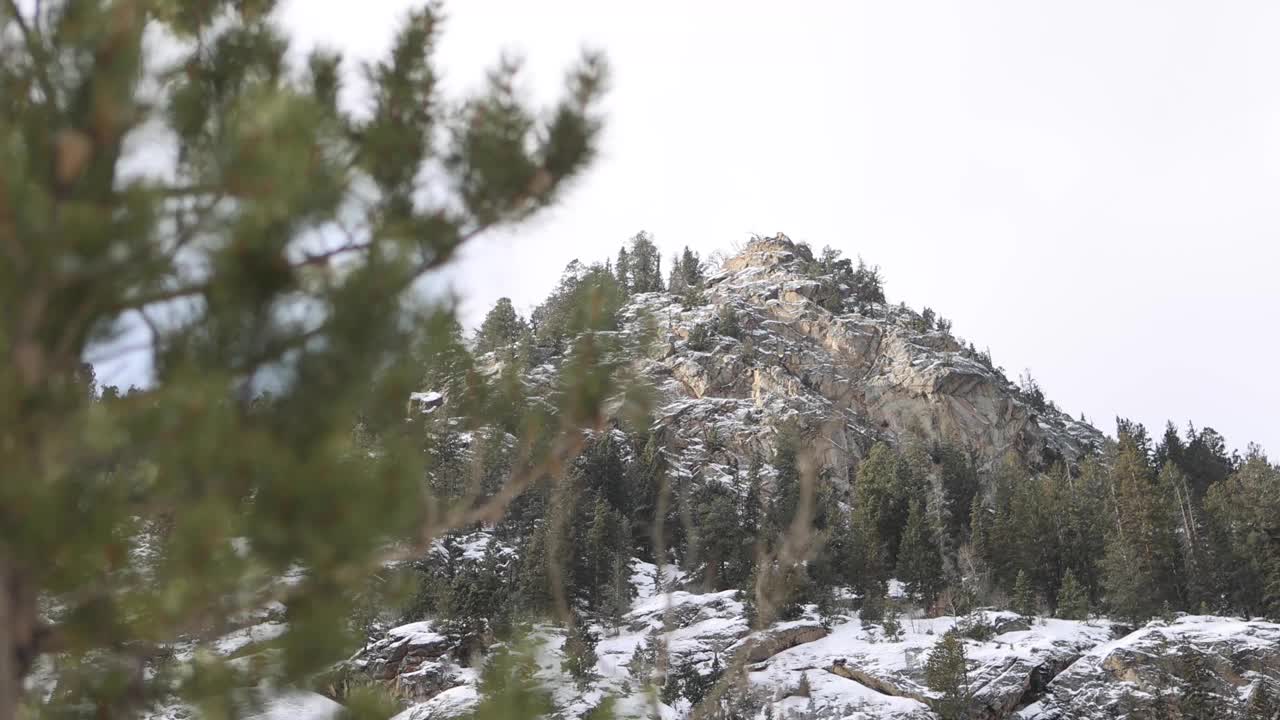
(778, 336)
(768, 253)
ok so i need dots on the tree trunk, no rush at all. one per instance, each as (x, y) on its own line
(17, 634)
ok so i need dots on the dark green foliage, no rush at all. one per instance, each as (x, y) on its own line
(974, 627)
(919, 559)
(924, 322)
(686, 681)
(508, 688)
(277, 249)
(720, 534)
(644, 265)
(622, 271)
(1043, 527)
(959, 478)
(785, 499)
(841, 280)
(946, 672)
(1024, 598)
(580, 654)
(881, 491)
(1073, 603)
(701, 338)
(1141, 563)
(648, 663)
(1032, 392)
(502, 328)
(867, 285)
(871, 576)
(1245, 518)
(728, 323)
(686, 273)
(587, 298)
(891, 624)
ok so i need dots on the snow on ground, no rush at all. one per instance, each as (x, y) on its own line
(418, 633)
(298, 705)
(449, 704)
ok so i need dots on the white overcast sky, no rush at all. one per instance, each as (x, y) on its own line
(1090, 188)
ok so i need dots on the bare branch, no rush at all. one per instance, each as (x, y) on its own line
(39, 61)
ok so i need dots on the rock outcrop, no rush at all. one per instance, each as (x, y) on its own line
(1198, 667)
(413, 662)
(1004, 668)
(775, 341)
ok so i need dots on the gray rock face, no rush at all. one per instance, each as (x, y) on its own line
(1195, 667)
(850, 376)
(1004, 669)
(413, 662)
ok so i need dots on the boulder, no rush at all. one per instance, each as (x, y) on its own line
(1201, 667)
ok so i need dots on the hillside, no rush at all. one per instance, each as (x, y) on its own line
(858, 515)
(938, 495)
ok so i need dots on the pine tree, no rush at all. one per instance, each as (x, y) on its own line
(752, 513)
(881, 493)
(502, 328)
(279, 245)
(1141, 562)
(645, 264)
(716, 517)
(785, 499)
(946, 671)
(580, 654)
(691, 269)
(509, 688)
(676, 280)
(1244, 511)
(919, 559)
(871, 579)
(595, 556)
(892, 625)
(622, 271)
(1073, 602)
(1024, 598)
(978, 528)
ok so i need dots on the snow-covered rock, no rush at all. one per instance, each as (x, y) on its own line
(414, 662)
(1002, 669)
(1175, 668)
(851, 373)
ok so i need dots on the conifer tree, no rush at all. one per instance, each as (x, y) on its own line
(690, 269)
(978, 528)
(622, 271)
(645, 263)
(509, 688)
(676, 280)
(752, 513)
(946, 671)
(880, 493)
(919, 559)
(1245, 514)
(785, 498)
(1141, 559)
(580, 654)
(1073, 602)
(501, 329)
(871, 578)
(280, 244)
(1024, 598)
